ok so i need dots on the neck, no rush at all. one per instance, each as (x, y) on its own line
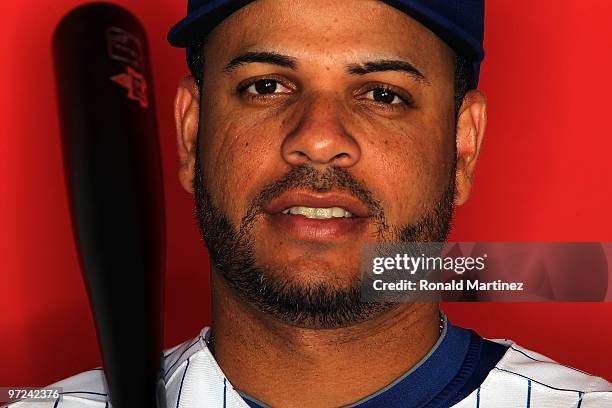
(284, 365)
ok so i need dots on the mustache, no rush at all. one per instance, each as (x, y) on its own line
(333, 178)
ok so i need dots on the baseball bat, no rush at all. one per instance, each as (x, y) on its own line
(114, 181)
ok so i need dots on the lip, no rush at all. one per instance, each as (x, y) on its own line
(317, 200)
(331, 230)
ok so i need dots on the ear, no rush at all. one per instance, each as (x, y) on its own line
(471, 125)
(186, 116)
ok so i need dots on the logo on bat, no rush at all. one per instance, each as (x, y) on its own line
(135, 83)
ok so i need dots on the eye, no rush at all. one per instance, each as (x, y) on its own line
(384, 95)
(265, 87)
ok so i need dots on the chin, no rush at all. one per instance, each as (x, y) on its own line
(310, 271)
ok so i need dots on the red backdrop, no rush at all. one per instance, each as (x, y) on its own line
(544, 176)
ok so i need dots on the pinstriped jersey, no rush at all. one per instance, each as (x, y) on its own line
(192, 378)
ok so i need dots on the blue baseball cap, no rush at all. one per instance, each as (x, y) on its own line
(459, 23)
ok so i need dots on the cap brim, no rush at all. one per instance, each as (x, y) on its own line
(193, 28)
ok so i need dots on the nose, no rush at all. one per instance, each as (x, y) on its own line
(319, 137)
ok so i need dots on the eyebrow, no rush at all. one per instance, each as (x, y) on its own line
(387, 65)
(261, 57)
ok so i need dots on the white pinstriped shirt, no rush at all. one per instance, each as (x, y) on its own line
(192, 378)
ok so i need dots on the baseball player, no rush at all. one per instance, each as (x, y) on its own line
(308, 128)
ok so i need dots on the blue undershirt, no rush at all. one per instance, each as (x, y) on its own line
(455, 367)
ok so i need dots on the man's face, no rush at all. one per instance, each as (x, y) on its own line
(324, 124)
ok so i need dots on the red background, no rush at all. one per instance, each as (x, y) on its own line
(544, 176)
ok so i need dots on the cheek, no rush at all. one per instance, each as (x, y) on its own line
(412, 163)
(238, 151)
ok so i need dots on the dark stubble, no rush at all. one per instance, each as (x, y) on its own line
(320, 306)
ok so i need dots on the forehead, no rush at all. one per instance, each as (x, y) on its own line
(329, 31)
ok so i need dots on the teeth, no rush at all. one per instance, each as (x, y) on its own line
(319, 213)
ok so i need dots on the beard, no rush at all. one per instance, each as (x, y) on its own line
(320, 305)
